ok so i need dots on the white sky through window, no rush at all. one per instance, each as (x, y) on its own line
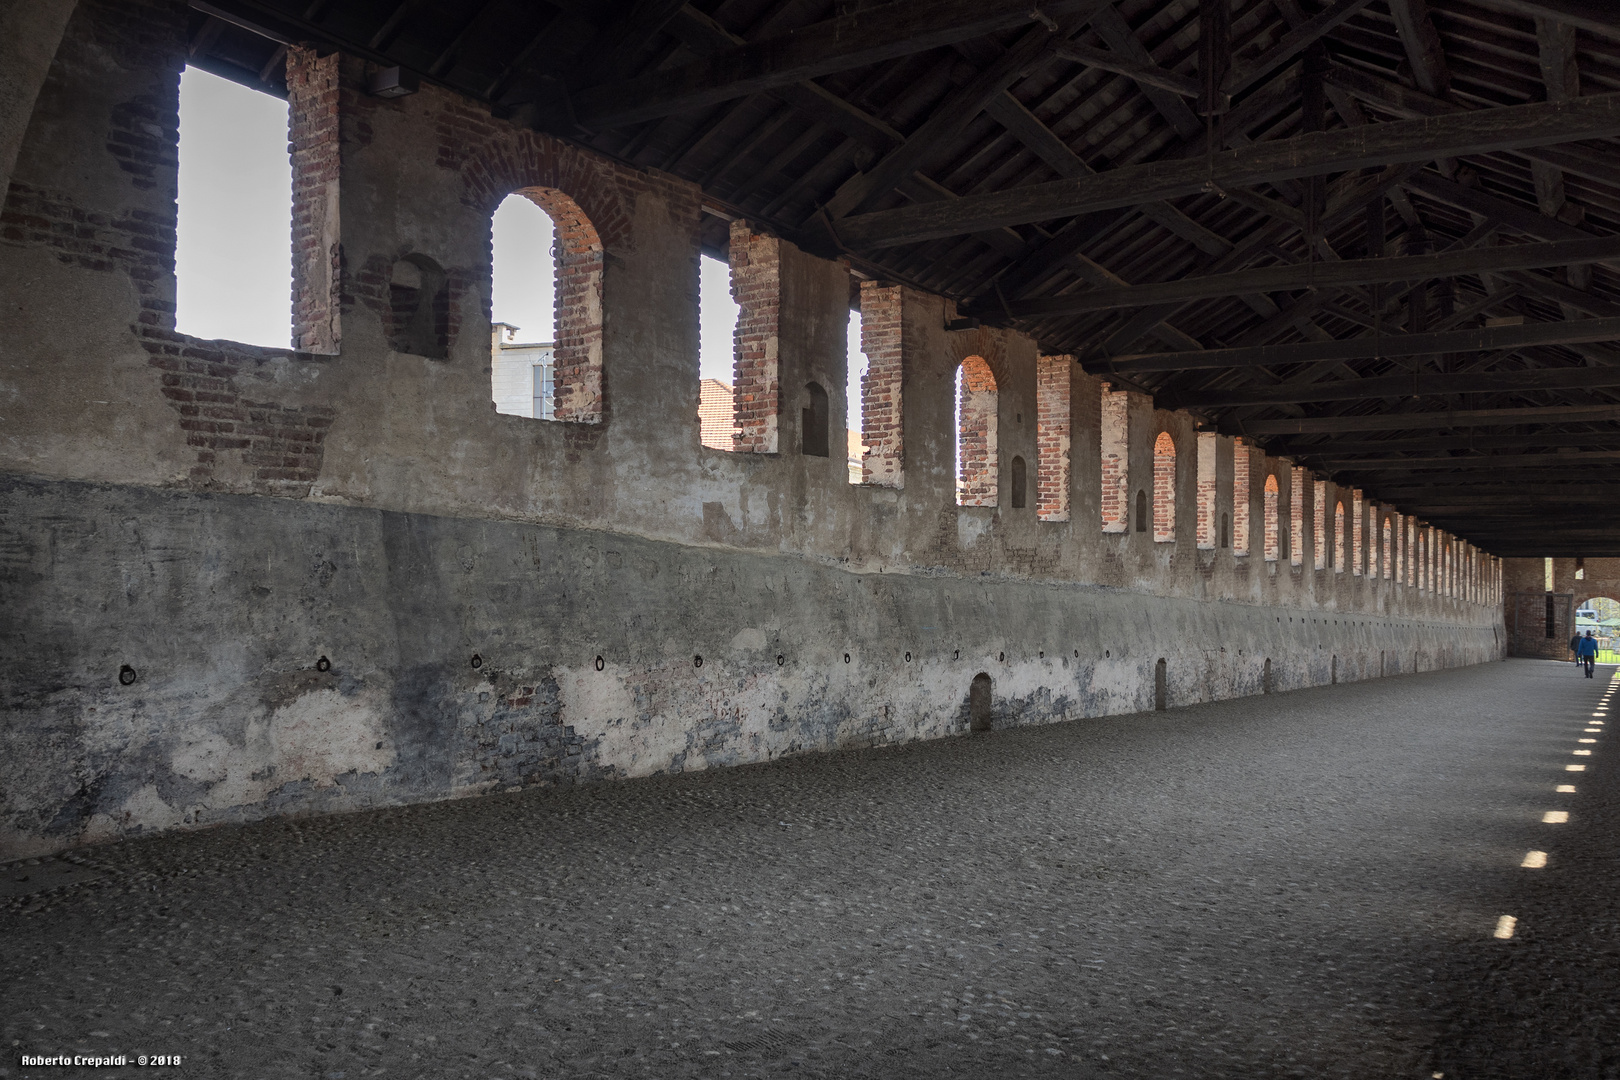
(233, 256)
(524, 289)
(718, 318)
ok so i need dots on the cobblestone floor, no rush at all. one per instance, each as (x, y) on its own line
(1305, 885)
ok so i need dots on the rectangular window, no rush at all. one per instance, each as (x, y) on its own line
(233, 255)
(545, 391)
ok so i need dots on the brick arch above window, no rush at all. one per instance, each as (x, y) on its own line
(592, 203)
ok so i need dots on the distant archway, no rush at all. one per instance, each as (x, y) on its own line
(979, 700)
(1604, 621)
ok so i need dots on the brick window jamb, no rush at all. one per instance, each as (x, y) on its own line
(1114, 431)
(882, 415)
(1164, 489)
(976, 433)
(1053, 412)
(756, 286)
(313, 138)
(1208, 441)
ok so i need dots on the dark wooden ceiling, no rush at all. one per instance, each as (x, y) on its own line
(1381, 237)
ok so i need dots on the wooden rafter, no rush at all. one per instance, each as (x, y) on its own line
(1475, 132)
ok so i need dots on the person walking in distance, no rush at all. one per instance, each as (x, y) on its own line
(1586, 652)
(1575, 648)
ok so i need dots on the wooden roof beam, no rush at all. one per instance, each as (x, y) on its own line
(1422, 43)
(1437, 420)
(1471, 441)
(1111, 26)
(1411, 103)
(1597, 16)
(868, 36)
(1325, 275)
(1475, 132)
(1482, 461)
(945, 123)
(1148, 74)
(1372, 346)
(1292, 44)
(1423, 384)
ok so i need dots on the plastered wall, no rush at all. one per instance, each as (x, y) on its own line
(216, 518)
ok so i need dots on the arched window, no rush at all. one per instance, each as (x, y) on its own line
(1338, 538)
(1389, 549)
(814, 420)
(1271, 518)
(1164, 489)
(547, 279)
(1141, 510)
(1018, 482)
(976, 461)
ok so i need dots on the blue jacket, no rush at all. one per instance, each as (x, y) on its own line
(1588, 646)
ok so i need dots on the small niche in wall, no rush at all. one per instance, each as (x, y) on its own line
(1141, 510)
(419, 308)
(814, 421)
(979, 703)
(1019, 481)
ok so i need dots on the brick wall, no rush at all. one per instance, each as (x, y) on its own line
(1115, 432)
(1242, 474)
(1319, 523)
(1296, 515)
(1053, 424)
(1338, 531)
(756, 286)
(1207, 528)
(591, 202)
(882, 337)
(312, 101)
(223, 395)
(1358, 546)
(577, 309)
(1164, 488)
(976, 434)
(1403, 547)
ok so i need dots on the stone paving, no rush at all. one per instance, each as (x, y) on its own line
(1304, 884)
